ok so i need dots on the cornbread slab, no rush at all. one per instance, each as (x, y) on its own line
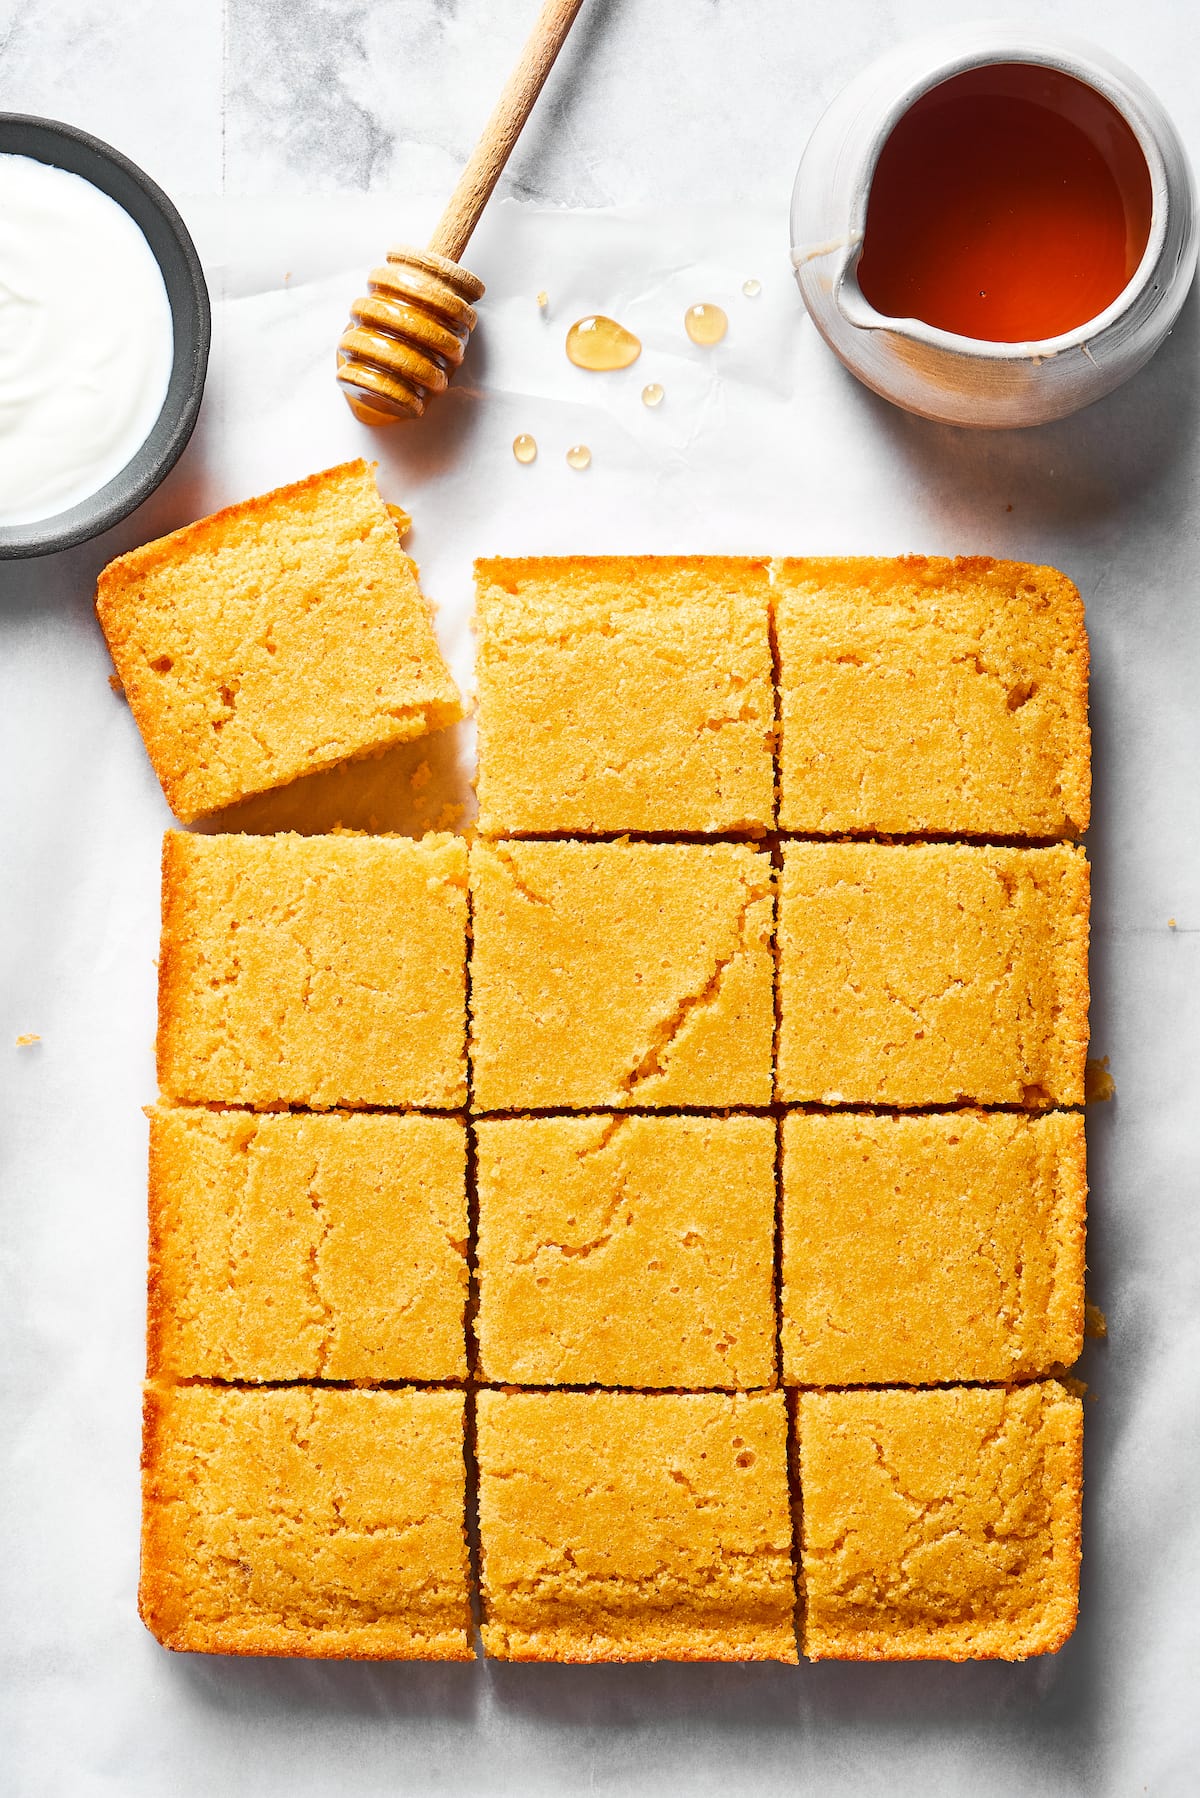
(939, 1247)
(931, 695)
(619, 1526)
(292, 1246)
(617, 974)
(940, 1525)
(274, 639)
(318, 971)
(305, 1520)
(626, 1251)
(932, 973)
(624, 693)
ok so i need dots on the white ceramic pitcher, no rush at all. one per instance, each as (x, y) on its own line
(939, 374)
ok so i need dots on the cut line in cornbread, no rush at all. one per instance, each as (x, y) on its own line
(932, 974)
(624, 693)
(305, 1520)
(292, 1246)
(622, 1526)
(931, 695)
(274, 639)
(318, 971)
(941, 1247)
(626, 1251)
(940, 1525)
(617, 974)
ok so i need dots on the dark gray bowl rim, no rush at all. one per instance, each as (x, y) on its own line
(67, 147)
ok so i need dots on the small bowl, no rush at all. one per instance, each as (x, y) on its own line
(939, 374)
(65, 147)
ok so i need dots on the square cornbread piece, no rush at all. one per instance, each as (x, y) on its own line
(931, 694)
(940, 1525)
(305, 1520)
(273, 639)
(626, 1251)
(320, 971)
(294, 1246)
(635, 1526)
(624, 693)
(932, 973)
(940, 1247)
(614, 974)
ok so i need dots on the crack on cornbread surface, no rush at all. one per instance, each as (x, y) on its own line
(930, 694)
(624, 693)
(932, 972)
(289, 1246)
(629, 1251)
(940, 1524)
(635, 1526)
(931, 1248)
(320, 971)
(310, 1521)
(604, 972)
(274, 639)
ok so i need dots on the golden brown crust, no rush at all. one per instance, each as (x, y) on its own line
(275, 639)
(932, 695)
(305, 1521)
(635, 1526)
(940, 1525)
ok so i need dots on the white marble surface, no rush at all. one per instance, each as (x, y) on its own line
(694, 112)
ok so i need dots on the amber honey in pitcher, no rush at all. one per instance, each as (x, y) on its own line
(1010, 203)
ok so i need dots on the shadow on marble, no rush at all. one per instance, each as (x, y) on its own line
(380, 1691)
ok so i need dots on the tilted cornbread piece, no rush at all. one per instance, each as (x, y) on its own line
(940, 1525)
(626, 1251)
(290, 1246)
(614, 974)
(932, 695)
(305, 1520)
(624, 693)
(932, 973)
(274, 639)
(320, 971)
(635, 1526)
(917, 1250)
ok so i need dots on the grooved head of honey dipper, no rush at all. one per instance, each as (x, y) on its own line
(406, 336)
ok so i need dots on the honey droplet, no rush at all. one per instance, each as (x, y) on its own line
(705, 324)
(752, 288)
(543, 299)
(601, 343)
(652, 394)
(525, 447)
(579, 456)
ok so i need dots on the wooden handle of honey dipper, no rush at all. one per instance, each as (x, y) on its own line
(407, 334)
(503, 129)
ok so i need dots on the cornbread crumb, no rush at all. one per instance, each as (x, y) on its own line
(1095, 1324)
(27, 1038)
(930, 694)
(943, 1247)
(288, 1246)
(274, 639)
(319, 971)
(940, 1525)
(616, 974)
(932, 973)
(627, 1251)
(305, 1521)
(621, 1526)
(624, 693)
(1098, 1084)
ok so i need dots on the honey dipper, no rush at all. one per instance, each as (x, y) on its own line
(408, 334)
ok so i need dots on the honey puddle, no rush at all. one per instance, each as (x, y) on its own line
(705, 324)
(600, 343)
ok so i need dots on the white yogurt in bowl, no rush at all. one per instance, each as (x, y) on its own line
(86, 339)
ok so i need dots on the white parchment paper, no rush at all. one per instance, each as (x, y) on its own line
(761, 444)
